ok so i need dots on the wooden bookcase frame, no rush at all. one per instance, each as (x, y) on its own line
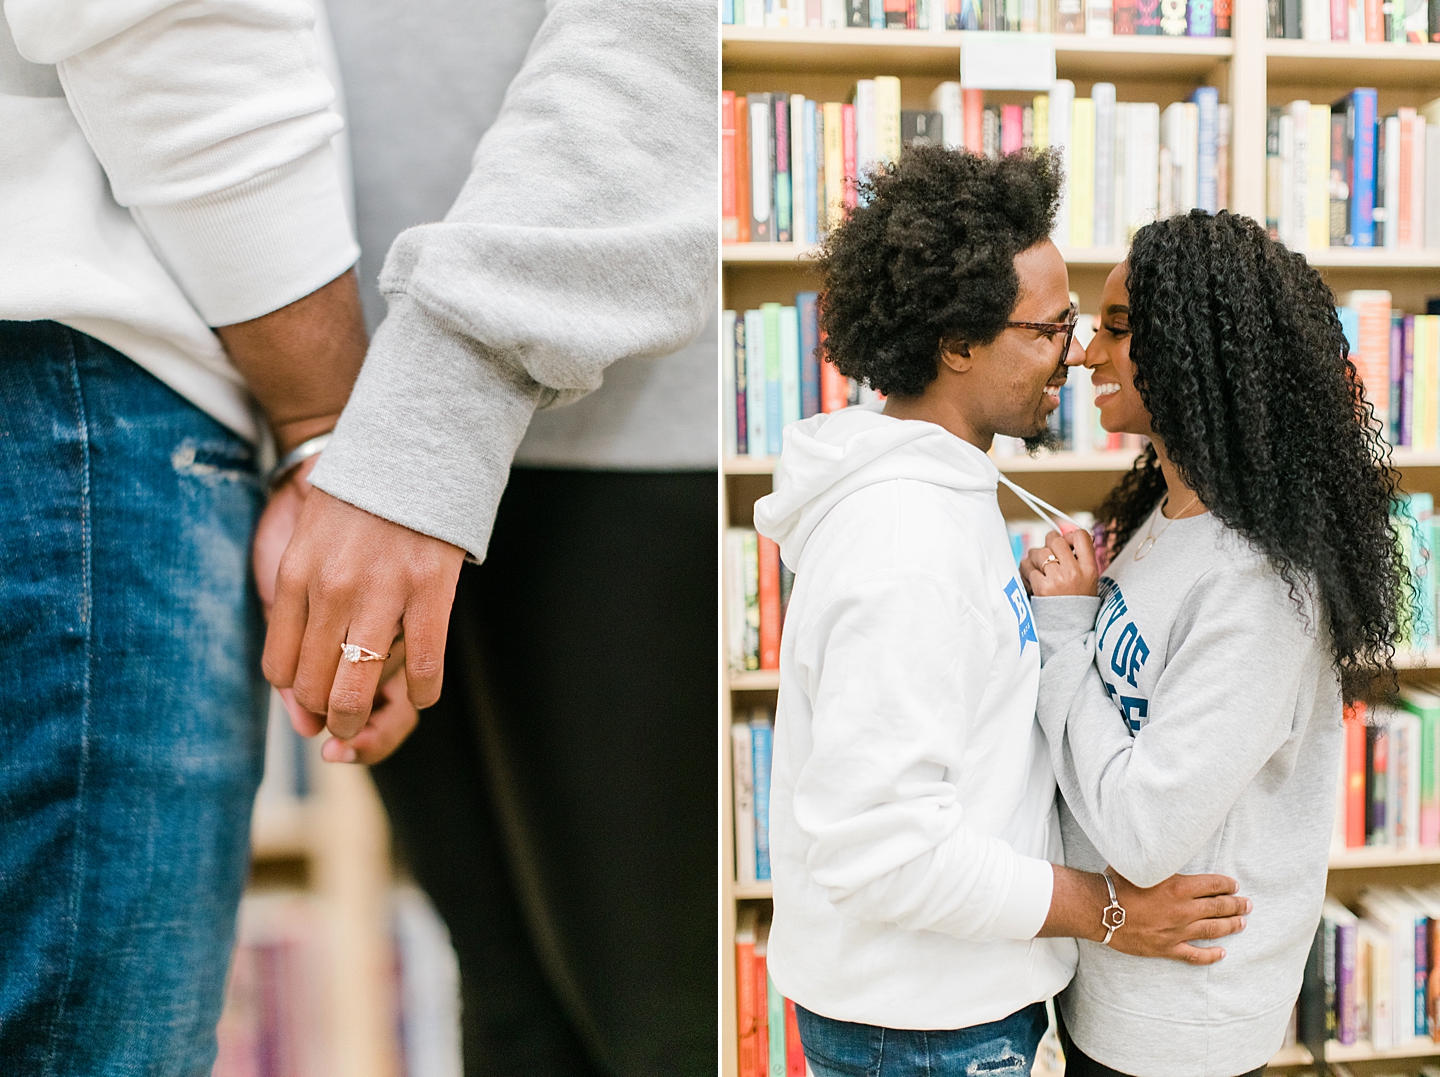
(1251, 72)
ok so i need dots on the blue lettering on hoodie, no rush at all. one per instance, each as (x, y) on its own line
(1122, 651)
(1016, 596)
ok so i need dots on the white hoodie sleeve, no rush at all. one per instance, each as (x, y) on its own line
(212, 121)
(898, 666)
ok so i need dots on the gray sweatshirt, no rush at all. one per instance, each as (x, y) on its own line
(1193, 718)
(583, 247)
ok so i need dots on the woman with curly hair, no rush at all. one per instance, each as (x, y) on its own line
(921, 913)
(1191, 695)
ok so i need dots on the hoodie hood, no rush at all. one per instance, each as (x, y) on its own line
(826, 458)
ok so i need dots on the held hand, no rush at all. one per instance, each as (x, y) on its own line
(1164, 920)
(1065, 565)
(352, 577)
(392, 718)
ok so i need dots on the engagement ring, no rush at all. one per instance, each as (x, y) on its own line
(353, 652)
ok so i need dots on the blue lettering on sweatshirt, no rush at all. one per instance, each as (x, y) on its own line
(1016, 596)
(1122, 651)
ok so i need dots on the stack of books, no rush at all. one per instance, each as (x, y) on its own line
(276, 1022)
(1388, 794)
(789, 165)
(757, 592)
(751, 749)
(1398, 358)
(1372, 970)
(1371, 21)
(1342, 175)
(1098, 18)
(769, 1036)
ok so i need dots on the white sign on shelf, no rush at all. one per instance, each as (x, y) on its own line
(1007, 62)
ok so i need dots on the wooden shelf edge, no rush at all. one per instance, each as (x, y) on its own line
(1356, 1052)
(754, 680)
(1382, 857)
(753, 891)
(1385, 51)
(869, 38)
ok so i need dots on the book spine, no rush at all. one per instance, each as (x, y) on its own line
(743, 774)
(857, 13)
(1402, 347)
(1339, 189)
(780, 165)
(1103, 221)
(814, 182)
(729, 225)
(1224, 125)
(761, 974)
(1328, 969)
(762, 169)
(740, 387)
(834, 164)
(1274, 179)
(1070, 16)
(1147, 17)
(728, 363)
(1173, 22)
(1422, 975)
(1201, 18)
(1317, 182)
(1433, 22)
(750, 552)
(1339, 20)
(1346, 1004)
(1099, 18)
(849, 155)
(760, 737)
(877, 14)
(756, 440)
(794, 1050)
(1207, 101)
(887, 118)
(1125, 16)
(806, 304)
(742, 169)
(834, 386)
(769, 607)
(1374, 21)
(774, 398)
(790, 402)
(1010, 129)
(1040, 110)
(1290, 10)
(1404, 224)
(800, 164)
(1082, 178)
(1354, 779)
(974, 119)
(1429, 725)
(1362, 185)
(776, 1028)
(1418, 208)
(1224, 13)
(1062, 111)
(747, 1057)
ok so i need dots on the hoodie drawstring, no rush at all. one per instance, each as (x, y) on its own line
(1038, 507)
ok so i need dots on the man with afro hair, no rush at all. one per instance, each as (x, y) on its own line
(922, 915)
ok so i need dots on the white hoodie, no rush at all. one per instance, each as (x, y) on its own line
(912, 810)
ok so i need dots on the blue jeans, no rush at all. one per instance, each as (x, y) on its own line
(131, 711)
(1003, 1048)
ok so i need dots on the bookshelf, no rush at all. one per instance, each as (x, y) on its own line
(1251, 73)
(335, 843)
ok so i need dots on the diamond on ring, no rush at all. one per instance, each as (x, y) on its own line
(353, 652)
(1049, 559)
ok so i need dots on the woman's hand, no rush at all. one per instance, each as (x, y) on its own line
(1065, 565)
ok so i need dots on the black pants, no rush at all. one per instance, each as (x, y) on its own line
(1079, 1064)
(558, 803)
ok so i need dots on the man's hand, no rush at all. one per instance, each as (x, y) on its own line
(1065, 565)
(351, 577)
(1162, 921)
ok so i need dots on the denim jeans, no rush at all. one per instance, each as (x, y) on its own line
(131, 711)
(1003, 1048)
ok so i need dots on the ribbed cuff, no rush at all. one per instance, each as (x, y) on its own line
(427, 438)
(260, 245)
(1028, 903)
(1062, 619)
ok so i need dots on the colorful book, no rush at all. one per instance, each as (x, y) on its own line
(747, 1005)
(762, 745)
(761, 121)
(729, 224)
(807, 309)
(769, 592)
(743, 781)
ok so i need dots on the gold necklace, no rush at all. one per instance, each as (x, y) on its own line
(1151, 537)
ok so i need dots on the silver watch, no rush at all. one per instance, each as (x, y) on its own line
(1112, 918)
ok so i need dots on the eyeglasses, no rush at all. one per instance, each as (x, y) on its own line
(1050, 329)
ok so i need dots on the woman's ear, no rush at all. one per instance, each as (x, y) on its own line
(955, 354)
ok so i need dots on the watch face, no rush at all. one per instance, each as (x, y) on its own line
(1113, 917)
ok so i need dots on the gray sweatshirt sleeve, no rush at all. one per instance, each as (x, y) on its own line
(585, 234)
(1237, 661)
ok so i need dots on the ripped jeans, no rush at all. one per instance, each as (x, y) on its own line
(131, 711)
(1003, 1048)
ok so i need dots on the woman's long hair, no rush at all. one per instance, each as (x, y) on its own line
(1240, 359)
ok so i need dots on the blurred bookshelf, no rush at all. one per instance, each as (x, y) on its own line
(1251, 72)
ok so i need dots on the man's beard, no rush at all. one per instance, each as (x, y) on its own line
(1047, 439)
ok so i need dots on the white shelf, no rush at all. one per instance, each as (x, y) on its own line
(753, 891)
(1381, 856)
(772, 254)
(922, 52)
(280, 829)
(1048, 463)
(754, 680)
(1356, 1052)
(1339, 62)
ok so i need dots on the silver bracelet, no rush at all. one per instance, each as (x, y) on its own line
(295, 457)
(1112, 918)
